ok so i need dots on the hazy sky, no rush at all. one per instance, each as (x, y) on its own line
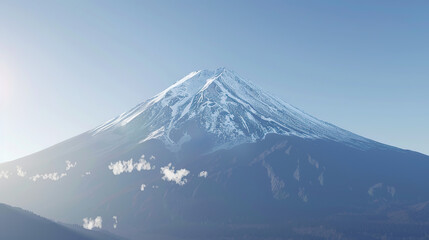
(66, 67)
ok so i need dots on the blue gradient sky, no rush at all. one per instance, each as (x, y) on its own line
(66, 67)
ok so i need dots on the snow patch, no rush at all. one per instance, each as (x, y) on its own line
(313, 162)
(296, 174)
(391, 190)
(382, 187)
(154, 135)
(321, 179)
(302, 195)
(277, 185)
(373, 188)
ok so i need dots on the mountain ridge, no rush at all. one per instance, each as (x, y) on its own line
(14, 219)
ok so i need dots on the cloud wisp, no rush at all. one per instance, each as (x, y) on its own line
(48, 176)
(54, 176)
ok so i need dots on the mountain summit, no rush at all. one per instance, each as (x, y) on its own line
(225, 106)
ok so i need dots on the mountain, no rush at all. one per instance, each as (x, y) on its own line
(215, 157)
(19, 224)
(227, 107)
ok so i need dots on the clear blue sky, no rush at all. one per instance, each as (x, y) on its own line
(67, 66)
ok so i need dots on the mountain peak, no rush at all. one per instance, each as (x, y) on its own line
(203, 77)
(226, 107)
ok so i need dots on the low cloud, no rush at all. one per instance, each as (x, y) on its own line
(48, 176)
(86, 174)
(70, 165)
(128, 166)
(203, 174)
(142, 187)
(54, 176)
(143, 165)
(115, 222)
(176, 176)
(20, 172)
(121, 166)
(89, 223)
(4, 174)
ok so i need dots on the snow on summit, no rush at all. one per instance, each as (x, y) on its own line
(225, 106)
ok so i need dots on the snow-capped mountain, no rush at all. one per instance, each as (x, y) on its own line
(215, 157)
(226, 106)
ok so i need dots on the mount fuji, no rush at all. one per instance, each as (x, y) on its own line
(226, 106)
(215, 157)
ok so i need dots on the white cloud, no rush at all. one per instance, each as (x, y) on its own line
(115, 222)
(55, 176)
(89, 223)
(155, 186)
(70, 165)
(177, 176)
(20, 172)
(143, 164)
(48, 176)
(142, 187)
(86, 174)
(128, 166)
(152, 157)
(4, 174)
(203, 174)
(121, 166)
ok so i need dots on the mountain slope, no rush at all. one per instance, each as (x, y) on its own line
(18, 224)
(215, 157)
